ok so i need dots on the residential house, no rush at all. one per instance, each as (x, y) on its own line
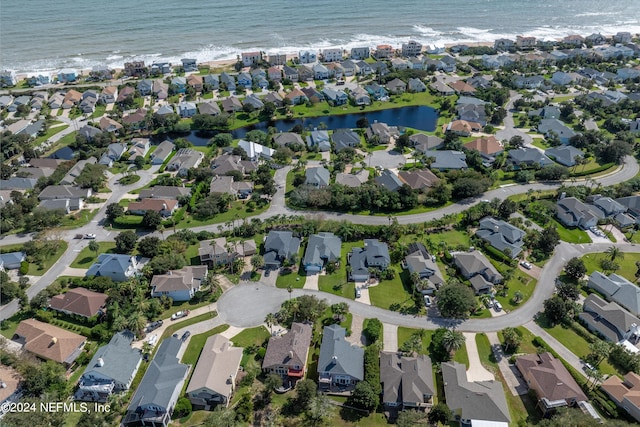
(480, 82)
(18, 183)
(573, 40)
(609, 320)
(290, 73)
(187, 109)
(634, 126)
(595, 39)
(320, 139)
(527, 157)
(73, 194)
(221, 184)
(277, 59)
(331, 55)
(424, 143)
(321, 248)
(383, 51)
(389, 180)
(144, 88)
(11, 390)
(137, 120)
(211, 82)
(165, 207)
(501, 235)
(119, 267)
(162, 153)
(39, 80)
(488, 146)
(37, 173)
(135, 69)
(381, 133)
(340, 364)
(416, 85)
(415, 63)
(244, 79)
(554, 127)
(160, 67)
(377, 92)
(607, 205)
(278, 247)
(5, 101)
(617, 289)
(380, 68)
(189, 65)
(179, 84)
(179, 285)
(360, 96)
(253, 100)
(231, 105)
(165, 192)
(562, 79)
(227, 81)
(160, 388)
(566, 155)
(79, 301)
(441, 88)
(250, 58)
(477, 268)
(407, 382)
(296, 96)
(196, 82)
(8, 78)
(632, 204)
(396, 86)
(160, 89)
(274, 98)
(286, 139)
(55, 101)
(447, 160)
(318, 177)
(345, 138)
(226, 163)
(624, 393)
(503, 44)
(214, 377)
(525, 42)
(359, 53)
(89, 132)
(419, 261)
(418, 179)
(462, 127)
(256, 151)
(574, 213)
(49, 342)
(350, 67)
(528, 82)
(312, 95)
(411, 48)
(67, 75)
(335, 97)
(107, 124)
(89, 101)
(113, 154)
(274, 74)
(111, 369)
(219, 251)
(63, 205)
(139, 148)
(622, 37)
(76, 170)
(462, 88)
(307, 56)
(287, 354)
(320, 72)
(11, 260)
(472, 113)
(352, 180)
(375, 254)
(109, 95)
(185, 159)
(551, 381)
(165, 110)
(472, 403)
(71, 98)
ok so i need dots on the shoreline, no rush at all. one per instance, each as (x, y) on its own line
(224, 62)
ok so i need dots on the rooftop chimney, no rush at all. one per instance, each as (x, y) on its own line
(100, 362)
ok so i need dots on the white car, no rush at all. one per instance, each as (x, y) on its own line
(497, 306)
(89, 236)
(152, 339)
(358, 293)
(525, 264)
(179, 315)
(427, 301)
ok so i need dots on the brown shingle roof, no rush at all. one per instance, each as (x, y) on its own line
(486, 145)
(218, 362)
(48, 341)
(552, 380)
(153, 205)
(176, 280)
(418, 178)
(289, 349)
(79, 301)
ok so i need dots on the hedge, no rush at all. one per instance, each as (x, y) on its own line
(593, 171)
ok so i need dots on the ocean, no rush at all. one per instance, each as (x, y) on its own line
(40, 35)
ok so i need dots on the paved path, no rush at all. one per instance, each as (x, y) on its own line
(476, 371)
(557, 346)
(356, 336)
(510, 373)
(389, 337)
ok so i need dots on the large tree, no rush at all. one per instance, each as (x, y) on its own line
(364, 396)
(511, 338)
(453, 340)
(126, 242)
(575, 268)
(455, 300)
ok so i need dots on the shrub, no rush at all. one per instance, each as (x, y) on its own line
(373, 330)
(24, 268)
(182, 408)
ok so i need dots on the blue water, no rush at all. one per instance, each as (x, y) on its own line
(40, 34)
(422, 118)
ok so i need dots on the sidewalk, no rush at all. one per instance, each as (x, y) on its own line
(562, 351)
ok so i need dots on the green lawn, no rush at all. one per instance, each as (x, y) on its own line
(485, 352)
(8, 326)
(570, 235)
(86, 257)
(175, 326)
(540, 143)
(39, 269)
(99, 111)
(337, 283)
(395, 292)
(404, 334)
(520, 281)
(49, 133)
(196, 343)
(78, 220)
(627, 264)
(238, 210)
(252, 336)
(574, 342)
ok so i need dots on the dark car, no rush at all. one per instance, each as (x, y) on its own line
(175, 335)
(154, 325)
(267, 273)
(185, 336)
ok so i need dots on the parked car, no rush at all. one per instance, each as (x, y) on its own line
(525, 264)
(186, 335)
(154, 325)
(358, 293)
(90, 236)
(180, 315)
(267, 272)
(153, 339)
(488, 303)
(427, 301)
(497, 306)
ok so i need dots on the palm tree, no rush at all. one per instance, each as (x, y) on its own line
(270, 320)
(94, 247)
(518, 296)
(614, 253)
(136, 322)
(453, 340)
(119, 323)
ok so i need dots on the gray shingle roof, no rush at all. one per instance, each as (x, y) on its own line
(374, 253)
(344, 138)
(618, 289)
(501, 235)
(481, 400)
(120, 361)
(528, 156)
(322, 246)
(608, 318)
(280, 245)
(565, 155)
(338, 356)
(405, 379)
(389, 180)
(319, 176)
(448, 159)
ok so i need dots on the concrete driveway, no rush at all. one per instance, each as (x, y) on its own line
(364, 294)
(269, 280)
(356, 336)
(389, 337)
(312, 282)
(476, 371)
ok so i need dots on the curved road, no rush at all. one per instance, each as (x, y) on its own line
(264, 299)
